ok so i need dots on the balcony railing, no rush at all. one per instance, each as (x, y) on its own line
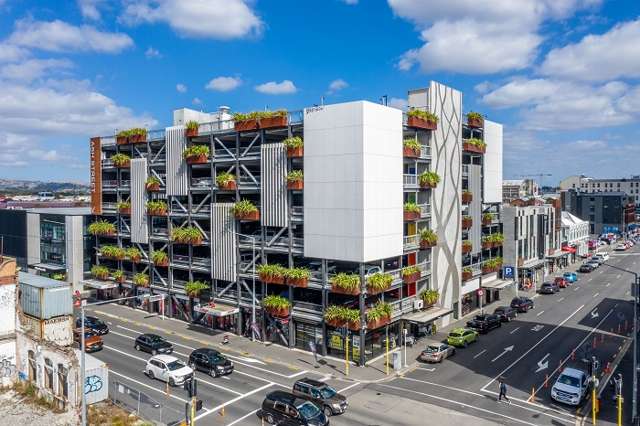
(465, 170)
(160, 232)
(109, 206)
(297, 212)
(307, 306)
(248, 181)
(204, 182)
(411, 242)
(425, 151)
(425, 210)
(403, 306)
(110, 183)
(425, 269)
(410, 180)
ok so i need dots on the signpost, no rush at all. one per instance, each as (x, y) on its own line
(480, 293)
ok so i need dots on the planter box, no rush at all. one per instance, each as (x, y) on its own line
(295, 152)
(299, 282)
(354, 292)
(114, 257)
(496, 244)
(427, 185)
(488, 270)
(124, 165)
(426, 305)
(157, 212)
(426, 245)
(120, 280)
(125, 211)
(278, 312)
(138, 139)
(411, 216)
(372, 292)
(273, 122)
(466, 249)
(229, 186)
(245, 125)
(198, 159)
(253, 216)
(155, 187)
(486, 245)
(476, 123)
(466, 223)
(487, 222)
(162, 264)
(106, 234)
(468, 147)
(466, 276)
(191, 133)
(122, 140)
(467, 197)
(268, 279)
(135, 259)
(410, 152)
(411, 278)
(295, 185)
(102, 277)
(372, 325)
(421, 123)
(193, 243)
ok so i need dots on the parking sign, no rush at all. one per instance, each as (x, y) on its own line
(507, 272)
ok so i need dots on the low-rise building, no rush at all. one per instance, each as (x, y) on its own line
(582, 183)
(574, 235)
(605, 211)
(513, 189)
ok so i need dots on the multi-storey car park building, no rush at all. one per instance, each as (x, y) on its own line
(361, 221)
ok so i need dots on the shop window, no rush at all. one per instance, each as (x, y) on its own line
(32, 366)
(48, 374)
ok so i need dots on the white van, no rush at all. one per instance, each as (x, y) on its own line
(571, 386)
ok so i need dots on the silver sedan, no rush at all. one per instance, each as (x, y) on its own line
(437, 352)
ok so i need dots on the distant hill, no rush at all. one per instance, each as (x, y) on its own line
(13, 186)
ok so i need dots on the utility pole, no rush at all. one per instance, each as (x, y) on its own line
(594, 386)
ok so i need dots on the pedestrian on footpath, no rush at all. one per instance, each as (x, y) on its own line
(503, 391)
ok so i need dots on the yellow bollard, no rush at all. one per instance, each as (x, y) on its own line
(387, 355)
(346, 355)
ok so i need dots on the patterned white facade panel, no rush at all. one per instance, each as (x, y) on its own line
(176, 166)
(273, 185)
(139, 229)
(223, 242)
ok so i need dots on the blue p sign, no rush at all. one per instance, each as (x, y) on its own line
(507, 272)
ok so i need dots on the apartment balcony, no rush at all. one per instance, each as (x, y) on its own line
(306, 310)
(425, 269)
(425, 152)
(110, 183)
(249, 182)
(465, 170)
(411, 242)
(425, 210)
(410, 181)
(470, 272)
(109, 207)
(403, 306)
(297, 213)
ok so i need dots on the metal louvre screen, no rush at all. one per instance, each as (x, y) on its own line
(139, 231)
(176, 166)
(273, 185)
(223, 246)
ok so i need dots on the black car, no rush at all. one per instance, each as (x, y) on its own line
(586, 268)
(506, 313)
(322, 395)
(94, 324)
(153, 344)
(210, 361)
(522, 304)
(549, 288)
(284, 408)
(484, 323)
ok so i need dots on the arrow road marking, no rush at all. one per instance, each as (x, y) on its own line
(537, 327)
(596, 295)
(561, 299)
(594, 314)
(507, 349)
(542, 364)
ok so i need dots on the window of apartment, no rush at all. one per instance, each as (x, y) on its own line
(32, 366)
(48, 374)
(63, 385)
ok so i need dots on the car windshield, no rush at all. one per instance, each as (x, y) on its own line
(568, 380)
(96, 321)
(175, 365)
(307, 410)
(156, 339)
(328, 392)
(433, 348)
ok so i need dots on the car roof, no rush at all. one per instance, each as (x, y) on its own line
(503, 308)
(286, 397)
(311, 382)
(207, 351)
(153, 336)
(164, 358)
(573, 372)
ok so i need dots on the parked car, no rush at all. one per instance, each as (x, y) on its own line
(522, 304)
(168, 369)
(505, 313)
(210, 361)
(600, 258)
(284, 408)
(462, 336)
(484, 323)
(94, 324)
(571, 277)
(585, 268)
(437, 352)
(561, 282)
(549, 288)
(570, 387)
(594, 262)
(321, 394)
(153, 344)
(92, 341)
(621, 247)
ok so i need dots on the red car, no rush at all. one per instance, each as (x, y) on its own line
(561, 282)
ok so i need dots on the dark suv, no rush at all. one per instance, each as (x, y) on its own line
(94, 324)
(210, 361)
(284, 408)
(484, 323)
(548, 288)
(153, 344)
(522, 304)
(505, 313)
(322, 395)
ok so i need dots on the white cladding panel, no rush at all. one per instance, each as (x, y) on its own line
(33, 238)
(353, 182)
(492, 162)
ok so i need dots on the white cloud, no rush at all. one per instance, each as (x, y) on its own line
(399, 103)
(285, 87)
(350, 2)
(224, 84)
(10, 53)
(152, 53)
(337, 85)
(196, 101)
(463, 36)
(90, 9)
(218, 19)
(59, 36)
(32, 69)
(483, 87)
(611, 55)
(181, 88)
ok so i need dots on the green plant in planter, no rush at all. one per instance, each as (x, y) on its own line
(428, 236)
(412, 143)
(157, 206)
(474, 116)
(152, 181)
(347, 282)
(411, 207)
(243, 208)
(379, 281)
(123, 134)
(123, 205)
(101, 227)
(194, 288)
(120, 159)
(271, 270)
(467, 218)
(99, 271)
(133, 253)
(196, 151)
(225, 178)
(467, 270)
(428, 178)
(379, 311)
(342, 314)
(159, 256)
(139, 132)
(117, 275)
(274, 302)
(487, 216)
(497, 238)
(479, 143)
(140, 279)
(295, 176)
(192, 125)
(430, 296)
(466, 244)
(293, 142)
(186, 234)
(113, 251)
(60, 276)
(297, 273)
(425, 115)
(410, 270)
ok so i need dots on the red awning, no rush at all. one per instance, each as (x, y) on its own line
(569, 249)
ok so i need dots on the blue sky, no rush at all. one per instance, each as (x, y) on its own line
(562, 75)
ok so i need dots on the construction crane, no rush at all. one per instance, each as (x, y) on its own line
(540, 177)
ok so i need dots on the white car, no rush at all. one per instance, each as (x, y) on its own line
(168, 369)
(621, 247)
(571, 386)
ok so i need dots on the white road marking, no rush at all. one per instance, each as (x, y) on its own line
(542, 364)
(576, 289)
(431, 370)
(608, 284)
(539, 313)
(589, 279)
(507, 349)
(349, 387)
(514, 330)
(561, 299)
(233, 401)
(532, 348)
(236, 421)
(537, 327)
(480, 353)
(596, 295)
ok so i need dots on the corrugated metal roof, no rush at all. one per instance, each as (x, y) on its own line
(39, 281)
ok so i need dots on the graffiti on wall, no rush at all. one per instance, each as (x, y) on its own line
(7, 297)
(7, 367)
(92, 384)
